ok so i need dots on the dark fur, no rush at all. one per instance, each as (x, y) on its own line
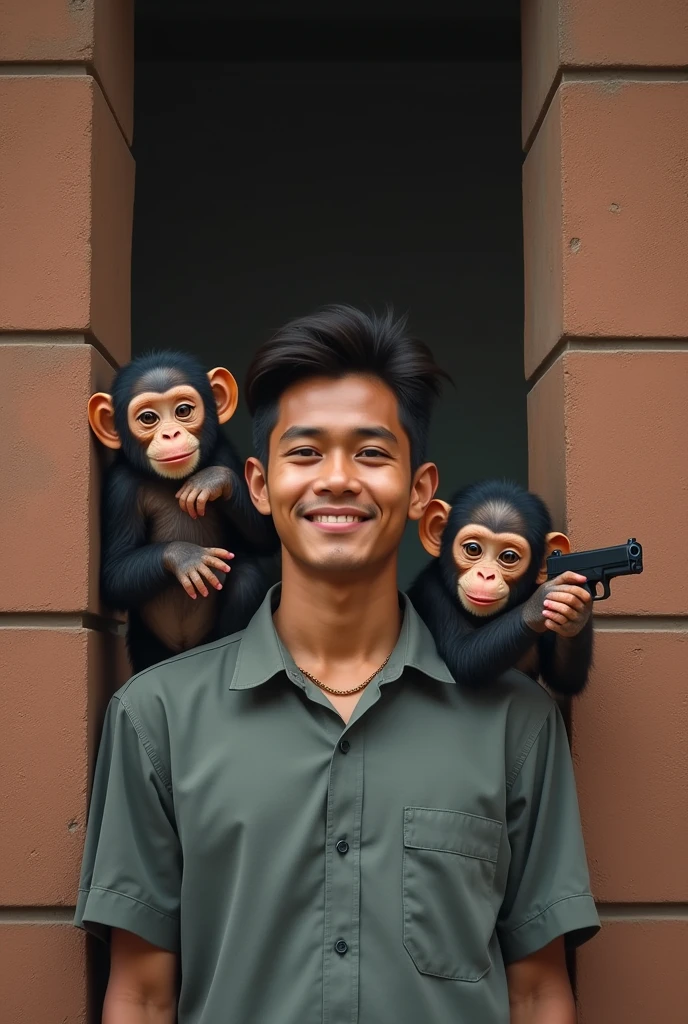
(140, 516)
(477, 649)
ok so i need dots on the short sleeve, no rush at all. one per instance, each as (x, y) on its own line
(548, 887)
(131, 870)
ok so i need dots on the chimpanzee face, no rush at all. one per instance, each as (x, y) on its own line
(492, 544)
(164, 414)
(168, 428)
(488, 567)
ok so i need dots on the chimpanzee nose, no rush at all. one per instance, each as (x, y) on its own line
(485, 576)
(172, 433)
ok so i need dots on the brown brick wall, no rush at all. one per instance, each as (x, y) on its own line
(66, 199)
(605, 119)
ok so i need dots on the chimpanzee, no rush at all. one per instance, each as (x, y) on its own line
(485, 596)
(176, 509)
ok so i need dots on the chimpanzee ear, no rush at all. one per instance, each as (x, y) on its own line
(553, 542)
(101, 416)
(225, 392)
(431, 526)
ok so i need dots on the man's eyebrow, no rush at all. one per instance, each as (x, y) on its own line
(379, 433)
(292, 433)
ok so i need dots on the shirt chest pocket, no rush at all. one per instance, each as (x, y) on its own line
(449, 909)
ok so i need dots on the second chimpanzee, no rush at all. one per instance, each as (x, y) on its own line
(485, 596)
(176, 508)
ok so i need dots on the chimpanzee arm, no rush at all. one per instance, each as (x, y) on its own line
(565, 661)
(132, 571)
(472, 655)
(258, 530)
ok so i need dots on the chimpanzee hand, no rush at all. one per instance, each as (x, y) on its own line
(561, 605)
(206, 485)
(191, 564)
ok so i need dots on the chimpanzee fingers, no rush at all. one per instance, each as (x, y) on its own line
(210, 576)
(560, 621)
(581, 593)
(560, 609)
(558, 628)
(201, 501)
(182, 497)
(188, 585)
(569, 577)
(220, 552)
(216, 563)
(191, 502)
(561, 597)
(198, 582)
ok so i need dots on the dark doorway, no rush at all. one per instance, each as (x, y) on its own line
(267, 188)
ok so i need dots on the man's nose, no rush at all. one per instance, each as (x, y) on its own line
(337, 476)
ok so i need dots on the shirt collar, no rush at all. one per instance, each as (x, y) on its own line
(262, 656)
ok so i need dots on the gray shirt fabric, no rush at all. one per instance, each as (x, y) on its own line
(311, 872)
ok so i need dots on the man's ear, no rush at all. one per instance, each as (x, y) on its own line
(553, 542)
(257, 481)
(101, 416)
(225, 392)
(425, 482)
(431, 526)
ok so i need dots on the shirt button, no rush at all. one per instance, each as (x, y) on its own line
(340, 947)
(344, 746)
(342, 846)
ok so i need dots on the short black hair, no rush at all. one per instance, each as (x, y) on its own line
(338, 341)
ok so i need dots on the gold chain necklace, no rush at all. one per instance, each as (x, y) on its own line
(345, 693)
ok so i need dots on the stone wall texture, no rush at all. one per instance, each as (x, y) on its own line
(605, 193)
(66, 205)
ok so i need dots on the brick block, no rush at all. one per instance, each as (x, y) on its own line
(605, 217)
(99, 33)
(54, 685)
(634, 972)
(43, 976)
(49, 508)
(629, 743)
(596, 34)
(66, 201)
(613, 426)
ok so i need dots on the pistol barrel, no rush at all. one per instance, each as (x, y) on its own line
(600, 563)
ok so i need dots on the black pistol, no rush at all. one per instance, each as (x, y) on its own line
(599, 566)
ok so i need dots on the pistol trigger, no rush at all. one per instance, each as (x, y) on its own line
(606, 591)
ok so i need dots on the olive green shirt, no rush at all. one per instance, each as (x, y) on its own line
(311, 872)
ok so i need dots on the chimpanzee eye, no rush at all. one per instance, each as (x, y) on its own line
(183, 411)
(510, 557)
(472, 549)
(148, 418)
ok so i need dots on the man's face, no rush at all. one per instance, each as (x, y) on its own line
(339, 483)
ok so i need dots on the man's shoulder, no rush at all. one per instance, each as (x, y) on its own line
(180, 680)
(517, 706)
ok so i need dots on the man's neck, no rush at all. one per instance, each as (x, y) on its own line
(337, 623)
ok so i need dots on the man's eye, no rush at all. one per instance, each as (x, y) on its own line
(510, 557)
(372, 453)
(183, 411)
(148, 418)
(472, 549)
(304, 453)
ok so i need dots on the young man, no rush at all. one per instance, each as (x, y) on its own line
(312, 821)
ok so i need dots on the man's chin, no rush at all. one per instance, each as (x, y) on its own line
(336, 560)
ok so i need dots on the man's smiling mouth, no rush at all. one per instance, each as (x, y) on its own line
(334, 520)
